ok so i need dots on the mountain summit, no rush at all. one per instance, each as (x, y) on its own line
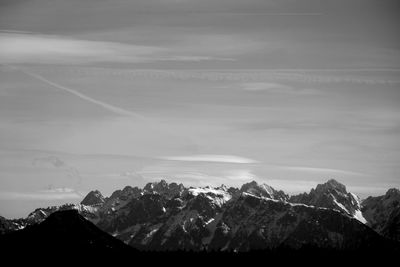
(332, 195)
(93, 198)
(263, 190)
(163, 188)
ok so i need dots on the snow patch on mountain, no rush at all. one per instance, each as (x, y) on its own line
(218, 196)
(341, 207)
(358, 215)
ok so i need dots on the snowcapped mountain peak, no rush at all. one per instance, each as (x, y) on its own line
(93, 198)
(250, 185)
(263, 190)
(163, 188)
(218, 195)
(207, 190)
(332, 195)
(332, 184)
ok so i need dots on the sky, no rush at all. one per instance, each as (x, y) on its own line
(103, 94)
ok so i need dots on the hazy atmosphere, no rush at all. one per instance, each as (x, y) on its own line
(103, 94)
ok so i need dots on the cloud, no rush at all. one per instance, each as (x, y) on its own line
(51, 160)
(56, 162)
(271, 87)
(53, 49)
(253, 79)
(319, 170)
(212, 158)
(55, 194)
(220, 46)
(261, 79)
(58, 190)
(150, 123)
(194, 58)
(277, 88)
(34, 48)
(239, 175)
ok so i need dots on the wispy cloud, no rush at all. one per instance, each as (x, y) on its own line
(251, 79)
(33, 48)
(55, 194)
(56, 162)
(51, 160)
(61, 190)
(222, 46)
(263, 86)
(242, 175)
(273, 13)
(254, 79)
(320, 170)
(212, 158)
(277, 88)
(53, 49)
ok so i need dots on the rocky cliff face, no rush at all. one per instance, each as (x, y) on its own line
(163, 188)
(93, 198)
(263, 190)
(383, 213)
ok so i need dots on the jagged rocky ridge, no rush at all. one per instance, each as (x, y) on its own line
(164, 216)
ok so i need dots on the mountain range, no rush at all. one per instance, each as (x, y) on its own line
(165, 216)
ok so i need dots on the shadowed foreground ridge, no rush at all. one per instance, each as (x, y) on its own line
(61, 231)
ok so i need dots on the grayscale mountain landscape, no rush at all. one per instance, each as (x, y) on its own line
(193, 131)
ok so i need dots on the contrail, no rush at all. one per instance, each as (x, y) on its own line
(151, 123)
(114, 109)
